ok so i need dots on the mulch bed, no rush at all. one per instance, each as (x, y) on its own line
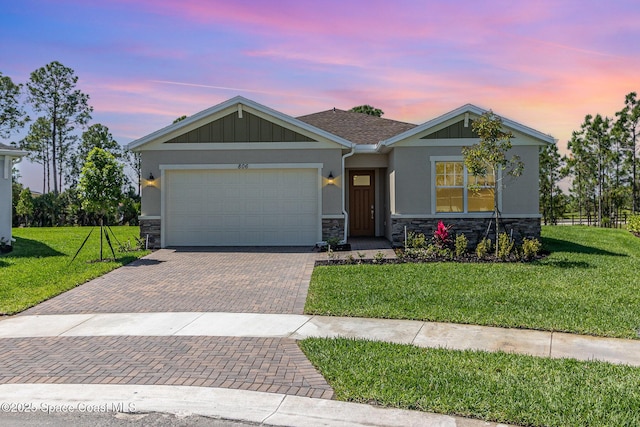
(402, 259)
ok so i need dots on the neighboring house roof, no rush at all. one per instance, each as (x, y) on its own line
(475, 112)
(236, 102)
(11, 151)
(358, 128)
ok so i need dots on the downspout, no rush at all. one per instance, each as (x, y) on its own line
(7, 166)
(344, 183)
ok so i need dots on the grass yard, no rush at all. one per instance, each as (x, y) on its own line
(498, 387)
(38, 268)
(590, 284)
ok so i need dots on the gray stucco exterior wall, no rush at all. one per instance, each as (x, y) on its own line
(330, 158)
(413, 187)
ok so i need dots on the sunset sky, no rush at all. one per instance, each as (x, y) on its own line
(545, 64)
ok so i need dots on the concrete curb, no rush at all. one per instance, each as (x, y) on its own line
(256, 407)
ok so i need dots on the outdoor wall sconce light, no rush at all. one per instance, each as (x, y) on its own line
(330, 179)
(151, 182)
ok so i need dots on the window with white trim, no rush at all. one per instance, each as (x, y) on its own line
(452, 190)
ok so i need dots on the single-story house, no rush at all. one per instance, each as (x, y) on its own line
(241, 173)
(8, 155)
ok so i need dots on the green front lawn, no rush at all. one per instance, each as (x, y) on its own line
(38, 268)
(590, 284)
(499, 387)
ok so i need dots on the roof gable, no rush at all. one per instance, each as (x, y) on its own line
(233, 128)
(454, 123)
(459, 129)
(196, 127)
(358, 128)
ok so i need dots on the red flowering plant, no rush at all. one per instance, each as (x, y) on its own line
(442, 237)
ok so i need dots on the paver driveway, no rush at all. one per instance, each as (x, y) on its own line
(265, 280)
(225, 280)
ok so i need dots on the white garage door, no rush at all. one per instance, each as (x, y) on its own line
(249, 207)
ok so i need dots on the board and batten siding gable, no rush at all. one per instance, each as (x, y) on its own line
(231, 128)
(456, 130)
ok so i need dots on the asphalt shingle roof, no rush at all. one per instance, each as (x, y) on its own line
(358, 128)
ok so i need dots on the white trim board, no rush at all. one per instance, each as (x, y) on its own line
(475, 215)
(194, 146)
(212, 166)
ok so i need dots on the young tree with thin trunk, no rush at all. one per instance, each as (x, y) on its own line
(24, 207)
(489, 156)
(96, 135)
(100, 185)
(52, 91)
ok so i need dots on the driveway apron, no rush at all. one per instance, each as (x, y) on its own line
(265, 280)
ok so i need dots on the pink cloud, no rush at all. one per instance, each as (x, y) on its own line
(414, 61)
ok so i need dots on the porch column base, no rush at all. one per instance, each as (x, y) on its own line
(332, 228)
(150, 229)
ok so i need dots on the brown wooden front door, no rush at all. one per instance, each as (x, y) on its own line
(362, 203)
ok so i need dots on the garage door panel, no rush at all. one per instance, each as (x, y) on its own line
(241, 207)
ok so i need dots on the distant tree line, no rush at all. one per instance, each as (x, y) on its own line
(602, 165)
(60, 139)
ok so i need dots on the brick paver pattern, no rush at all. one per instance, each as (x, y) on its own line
(240, 280)
(259, 364)
(272, 280)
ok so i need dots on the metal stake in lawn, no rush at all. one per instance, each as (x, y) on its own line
(103, 231)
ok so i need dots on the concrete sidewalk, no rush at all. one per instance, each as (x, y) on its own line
(245, 404)
(293, 326)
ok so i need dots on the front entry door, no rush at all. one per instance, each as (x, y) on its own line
(362, 203)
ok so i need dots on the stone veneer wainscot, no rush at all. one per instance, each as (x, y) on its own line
(150, 228)
(473, 228)
(332, 227)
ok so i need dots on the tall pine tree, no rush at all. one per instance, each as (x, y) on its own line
(52, 91)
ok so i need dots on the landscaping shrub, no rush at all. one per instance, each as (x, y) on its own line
(634, 224)
(530, 248)
(416, 240)
(483, 248)
(378, 258)
(505, 246)
(461, 244)
(333, 241)
(441, 237)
